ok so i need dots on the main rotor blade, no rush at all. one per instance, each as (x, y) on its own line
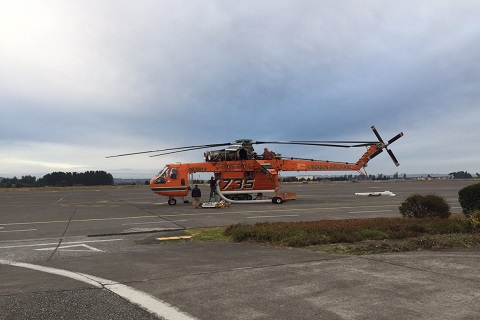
(398, 136)
(303, 143)
(187, 148)
(131, 154)
(352, 144)
(377, 134)
(335, 141)
(364, 144)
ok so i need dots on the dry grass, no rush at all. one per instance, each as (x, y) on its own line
(362, 235)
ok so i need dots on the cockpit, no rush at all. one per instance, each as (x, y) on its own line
(165, 174)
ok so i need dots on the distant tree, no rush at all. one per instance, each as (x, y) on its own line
(89, 178)
(9, 183)
(460, 175)
(26, 181)
(289, 179)
(60, 179)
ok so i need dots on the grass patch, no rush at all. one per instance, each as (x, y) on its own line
(343, 231)
(361, 236)
(207, 234)
(431, 242)
(355, 236)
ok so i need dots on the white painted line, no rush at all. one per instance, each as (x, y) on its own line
(66, 248)
(23, 230)
(375, 211)
(285, 215)
(144, 300)
(133, 223)
(150, 303)
(60, 272)
(56, 243)
(42, 239)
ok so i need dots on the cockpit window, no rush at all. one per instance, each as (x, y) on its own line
(174, 173)
(164, 172)
(160, 180)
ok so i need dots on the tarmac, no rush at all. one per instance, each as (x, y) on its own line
(133, 276)
(247, 281)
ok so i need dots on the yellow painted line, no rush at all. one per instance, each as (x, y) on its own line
(174, 238)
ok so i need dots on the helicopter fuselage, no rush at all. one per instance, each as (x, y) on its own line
(242, 176)
(238, 169)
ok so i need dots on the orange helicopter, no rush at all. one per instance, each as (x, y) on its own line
(241, 173)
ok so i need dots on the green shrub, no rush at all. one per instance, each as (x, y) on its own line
(239, 232)
(416, 229)
(474, 220)
(469, 198)
(428, 206)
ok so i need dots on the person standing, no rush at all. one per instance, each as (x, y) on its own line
(196, 195)
(213, 186)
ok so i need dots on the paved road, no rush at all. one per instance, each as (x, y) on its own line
(51, 268)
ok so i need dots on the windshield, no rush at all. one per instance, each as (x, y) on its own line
(163, 172)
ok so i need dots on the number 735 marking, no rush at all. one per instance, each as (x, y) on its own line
(238, 184)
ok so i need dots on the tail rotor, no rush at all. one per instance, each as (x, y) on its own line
(385, 146)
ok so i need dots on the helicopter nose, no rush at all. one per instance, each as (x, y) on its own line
(158, 180)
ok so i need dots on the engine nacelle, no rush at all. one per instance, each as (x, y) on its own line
(226, 155)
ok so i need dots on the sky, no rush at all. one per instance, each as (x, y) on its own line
(82, 80)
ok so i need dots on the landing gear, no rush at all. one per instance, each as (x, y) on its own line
(277, 200)
(172, 201)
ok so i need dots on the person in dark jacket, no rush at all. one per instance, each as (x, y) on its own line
(213, 186)
(196, 195)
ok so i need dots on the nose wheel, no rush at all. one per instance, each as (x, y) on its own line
(172, 201)
(277, 200)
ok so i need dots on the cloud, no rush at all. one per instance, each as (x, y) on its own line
(114, 77)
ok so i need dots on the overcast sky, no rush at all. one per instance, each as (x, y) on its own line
(81, 80)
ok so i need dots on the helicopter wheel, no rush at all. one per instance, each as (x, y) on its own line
(277, 200)
(172, 201)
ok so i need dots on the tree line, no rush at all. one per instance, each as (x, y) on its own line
(396, 176)
(462, 175)
(95, 178)
(60, 179)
